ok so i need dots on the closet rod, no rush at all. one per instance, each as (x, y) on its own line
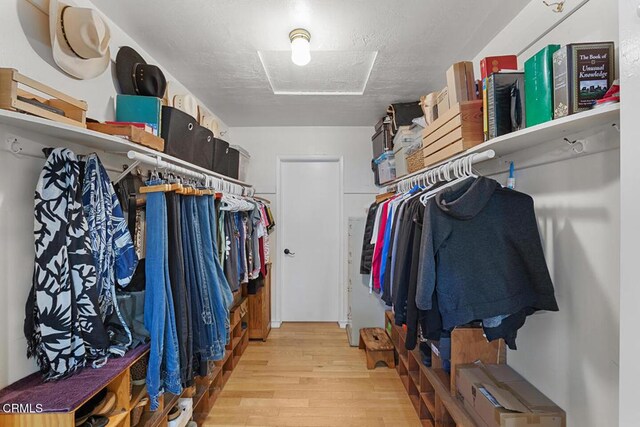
(475, 158)
(229, 184)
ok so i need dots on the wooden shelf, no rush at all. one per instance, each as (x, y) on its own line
(137, 394)
(538, 134)
(117, 419)
(157, 418)
(415, 377)
(92, 139)
(429, 400)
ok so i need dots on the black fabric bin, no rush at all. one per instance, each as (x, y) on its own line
(233, 161)
(221, 157)
(185, 139)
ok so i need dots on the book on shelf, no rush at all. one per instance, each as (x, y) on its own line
(505, 103)
(538, 84)
(494, 64)
(139, 109)
(582, 74)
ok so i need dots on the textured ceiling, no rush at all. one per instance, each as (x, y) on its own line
(212, 47)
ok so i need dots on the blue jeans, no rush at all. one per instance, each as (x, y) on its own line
(209, 346)
(221, 279)
(163, 372)
(218, 305)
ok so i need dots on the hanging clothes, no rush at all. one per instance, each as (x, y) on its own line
(163, 372)
(231, 261)
(367, 246)
(505, 270)
(179, 289)
(111, 246)
(63, 325)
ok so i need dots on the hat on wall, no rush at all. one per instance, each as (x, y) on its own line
(79, 39)
(186, 103)
(136, 77)
(210, 122)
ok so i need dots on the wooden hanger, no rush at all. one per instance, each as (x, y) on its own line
(382, 197)
(160, 188)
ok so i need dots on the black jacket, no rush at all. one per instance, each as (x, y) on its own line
(367, 247)
(482, 255)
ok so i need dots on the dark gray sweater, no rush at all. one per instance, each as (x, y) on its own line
(481, 253)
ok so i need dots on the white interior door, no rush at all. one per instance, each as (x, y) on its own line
(309, 231)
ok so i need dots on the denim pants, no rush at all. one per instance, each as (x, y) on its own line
(213, 283)
(163, 372)
(208, 346)
(180, 292)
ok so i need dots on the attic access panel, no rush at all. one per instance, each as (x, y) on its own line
(328, 73)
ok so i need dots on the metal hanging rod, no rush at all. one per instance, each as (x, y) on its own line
(420, 175)
(220, 182)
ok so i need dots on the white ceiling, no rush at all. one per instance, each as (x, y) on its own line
(214, 48)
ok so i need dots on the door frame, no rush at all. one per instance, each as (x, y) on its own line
(277, 285)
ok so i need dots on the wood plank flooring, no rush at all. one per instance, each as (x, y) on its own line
(306, 374)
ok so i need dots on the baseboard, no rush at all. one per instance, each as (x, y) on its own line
(343, 323)
(276, 324)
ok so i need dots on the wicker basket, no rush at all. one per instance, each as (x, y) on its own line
(415, 161)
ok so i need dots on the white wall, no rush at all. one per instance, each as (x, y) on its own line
(24, 45)
(353, 144)
(572, 356)
(630, 208)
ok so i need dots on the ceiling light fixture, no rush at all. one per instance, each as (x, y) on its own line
(300, 54)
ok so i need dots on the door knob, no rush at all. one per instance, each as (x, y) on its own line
(288, 252)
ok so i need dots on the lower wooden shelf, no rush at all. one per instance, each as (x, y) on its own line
(429, 388)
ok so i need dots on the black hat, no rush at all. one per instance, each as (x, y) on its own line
(136, 77)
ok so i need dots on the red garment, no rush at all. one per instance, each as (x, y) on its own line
(377, 253)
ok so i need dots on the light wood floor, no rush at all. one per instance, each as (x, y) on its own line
(306, 374)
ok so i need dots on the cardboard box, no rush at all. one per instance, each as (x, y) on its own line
(429, 104)
(461, 83)
(443, 102)
(493, 64)
(497, 396)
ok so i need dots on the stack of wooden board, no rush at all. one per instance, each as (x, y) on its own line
(459, 129)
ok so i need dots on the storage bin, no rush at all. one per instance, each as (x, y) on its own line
(185, 139)
(233, 162)
(186, 406)
(221, 156)
(386, 167)
(401, 160)
(245, 160)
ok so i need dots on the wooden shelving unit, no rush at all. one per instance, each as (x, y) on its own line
(116, 377)
(260, 310)
(208, 388)
(432, 390)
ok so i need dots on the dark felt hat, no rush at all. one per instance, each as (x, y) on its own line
(136, 77)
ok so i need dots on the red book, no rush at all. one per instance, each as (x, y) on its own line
(493, 64)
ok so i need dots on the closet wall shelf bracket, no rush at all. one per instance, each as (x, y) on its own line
(124, 173)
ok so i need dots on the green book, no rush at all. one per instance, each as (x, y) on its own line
(140, 109)
(538, 86)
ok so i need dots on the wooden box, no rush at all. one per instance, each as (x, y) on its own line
(15, 89)
(456, 131)
(130, 132)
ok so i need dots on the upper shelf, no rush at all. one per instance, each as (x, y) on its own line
(95, 140)
(539, 134)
